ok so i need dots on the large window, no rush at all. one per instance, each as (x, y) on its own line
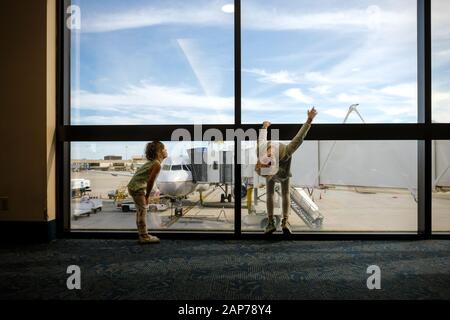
(375, 160)
(331, 54)
(352, 186)
(152, 62)
(441, 60)
(441, 186)
(187, 196)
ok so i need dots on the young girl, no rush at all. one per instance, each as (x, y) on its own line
(142, 184)
(274, 163)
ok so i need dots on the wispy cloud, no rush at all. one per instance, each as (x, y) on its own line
(150, 103)
(338, 113)
(404, 90)
(279, 77)
(152, 96)
(298, 95)
(183, 13)
(203, 66)
(256, 15)
(371, 17)
(375, 66)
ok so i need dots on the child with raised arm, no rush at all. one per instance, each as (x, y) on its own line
(274, 163)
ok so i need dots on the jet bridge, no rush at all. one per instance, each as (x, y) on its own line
(305, 208)
(213, 167)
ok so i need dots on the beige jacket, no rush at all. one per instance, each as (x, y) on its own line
(285, 152)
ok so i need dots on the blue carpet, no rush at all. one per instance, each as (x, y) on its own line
(179, 269)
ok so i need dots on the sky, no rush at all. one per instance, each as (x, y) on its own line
(172, 62)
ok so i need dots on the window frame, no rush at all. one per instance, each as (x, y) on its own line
(424, 132)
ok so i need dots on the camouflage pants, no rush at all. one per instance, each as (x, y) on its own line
(285, 196)
(141, 212)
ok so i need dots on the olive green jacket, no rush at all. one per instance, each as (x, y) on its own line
(139, 180)
(285, 152)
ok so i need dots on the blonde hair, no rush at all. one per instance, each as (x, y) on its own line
(152, 149)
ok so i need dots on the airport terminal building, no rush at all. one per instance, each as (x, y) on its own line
(354, 94)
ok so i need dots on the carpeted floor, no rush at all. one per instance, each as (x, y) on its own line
(177, 269)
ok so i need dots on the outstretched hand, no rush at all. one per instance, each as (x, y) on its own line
(312, 114)
(266, 124)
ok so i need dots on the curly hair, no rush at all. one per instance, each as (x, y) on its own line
(152, 149)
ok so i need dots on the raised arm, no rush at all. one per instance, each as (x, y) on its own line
(262, 137)
(300, 136)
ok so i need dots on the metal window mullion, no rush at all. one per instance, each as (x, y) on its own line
(63, 187)
(237, 117)
(424, 117)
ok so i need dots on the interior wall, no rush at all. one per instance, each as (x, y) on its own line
(51, 110)
(27, 109)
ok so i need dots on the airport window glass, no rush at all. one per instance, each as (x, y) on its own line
(441, 60)
(441, 186)
(330, 54)
(145, 62)
(339, 186)
(152, 62)
(187, 197)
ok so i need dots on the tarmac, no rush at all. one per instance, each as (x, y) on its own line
(345, 209)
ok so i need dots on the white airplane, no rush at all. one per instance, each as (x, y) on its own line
(176, 179)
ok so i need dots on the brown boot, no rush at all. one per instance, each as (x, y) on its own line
(148, 239)
(286, 227)
(270, 228)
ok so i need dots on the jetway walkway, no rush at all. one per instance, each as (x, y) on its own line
(305, 208)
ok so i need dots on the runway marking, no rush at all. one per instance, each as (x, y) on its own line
(175, 219)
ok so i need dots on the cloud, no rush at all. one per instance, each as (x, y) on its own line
(150, 103)
(203, 65)
(298, 95)
(280, 77)
(372, 17)
(405, 90)
(401, 93)
(148, 95)
(322, 90)
(288, 77)
(257, 17)
(355, 98)
(339, 113)
(398, 111)
(376, 64)
(147, 16)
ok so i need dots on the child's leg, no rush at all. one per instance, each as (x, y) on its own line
(141, 215)
(286, 197)
(270, 185)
